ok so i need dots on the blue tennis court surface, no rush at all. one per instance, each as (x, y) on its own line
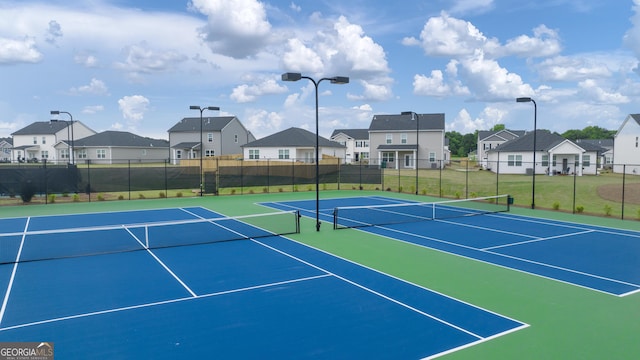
(103, 292)
(593, 257)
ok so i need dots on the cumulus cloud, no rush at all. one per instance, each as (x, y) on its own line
(464, 123)
(544, 43)
(238, 29)
(264, 122)
(86, 60)
(475, 6)
(598, 95)
(133, 107)
(53, 32)
(95, 87)
(247, 93)
(142, 59)
(435, 85)
(13, 51)
(572, 68)
(92, 109)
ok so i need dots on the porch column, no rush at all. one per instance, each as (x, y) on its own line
(579, 167)
(397, 161)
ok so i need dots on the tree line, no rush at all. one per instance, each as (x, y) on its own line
(462, 145)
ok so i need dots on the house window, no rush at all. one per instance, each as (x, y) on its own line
(388, 156)
(514, 160)
(586, 160)
(35, 140)
(82, 154)
(554, 161)
(178, 154)
(254, 154)
(389, 138)
(64, 153)
(364, 155)
(144, 152)
(636, 141)
(576, 160)
(210, 137)
(362, 143)
(432, 157)
(403, 138)
(45, 154)
(545, 160)
(209, 152)
(101, 154)
(283, 154)
(235, 138)
(44, 140)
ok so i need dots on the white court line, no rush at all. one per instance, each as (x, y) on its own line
(157, 303)
(13, 272)
(537, 240)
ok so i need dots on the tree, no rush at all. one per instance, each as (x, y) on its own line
(455, 139)
(498, 127)
(590, 132)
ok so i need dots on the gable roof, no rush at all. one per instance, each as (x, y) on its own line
(545, 140)
(405, 122)
(42, 128)
(596, 144)
(120, 139)
(7, 140)
(293, 137)
(357, 134)
(209, 123)
(504, 134)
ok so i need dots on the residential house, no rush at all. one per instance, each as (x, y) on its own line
(488, 140)
(553, 155)
(605, 156)
(221, 135)
(110, 147)
(627, 146)
(293, 144)
(400, 139)
(38, 141)
(356, 142)
(6, 144)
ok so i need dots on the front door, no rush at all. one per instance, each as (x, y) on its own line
(408, 161)
(565, 166)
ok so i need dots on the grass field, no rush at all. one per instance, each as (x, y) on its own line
(566, 321)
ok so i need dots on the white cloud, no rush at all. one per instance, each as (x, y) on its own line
(295, 7)
(301, 58)
(141, 59)
(263, 122)
(247, 93)
(133, 107)
(464, 123)
(53, 32)
(86, 60)
(544, 43)
(14, 51)
(466, 6)
(92, 109)
(95, 87)
(237, 28)
(598, 95)
(572, 68)
(373, 92)
(436, 86)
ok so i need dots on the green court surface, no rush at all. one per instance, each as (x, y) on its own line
(566, 321)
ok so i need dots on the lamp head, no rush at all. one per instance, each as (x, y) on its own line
(340, 80)
(55, 112)
(213, 108)
(524, 99)
(194, 107)
(294, 77)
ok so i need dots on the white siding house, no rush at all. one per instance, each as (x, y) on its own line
(356, 142)
(293, 144)
(626, 156)
(48, 140)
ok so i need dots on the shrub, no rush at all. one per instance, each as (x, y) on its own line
(280, 189)
(309, 188)
(100, 197)
(295, 188)
(607, 210)
(233, 191)
(556, 205)
(458, 194)
(400, 189)
(423, 191)
(65, 194)
(141, 196)
(52, 198)
(27, 191)
(179, 194)
(76, 198)
(265, 190)
(413, 189)
(162, 195)
(120, 197)
(579, 209)
(251, 191)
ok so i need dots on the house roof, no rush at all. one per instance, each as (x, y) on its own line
(397, 147)
(597, 144)
(504, 134)
(187, 145)
(357, 134)
(7, 140)
(120, 139)
(293, 137)
(42, 128)
(545, 140)
(192, 124)
(405, 122)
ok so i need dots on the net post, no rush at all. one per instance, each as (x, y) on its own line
(335, 218)
(146, 235)
(298, 216)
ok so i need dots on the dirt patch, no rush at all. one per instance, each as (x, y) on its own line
(613, 192)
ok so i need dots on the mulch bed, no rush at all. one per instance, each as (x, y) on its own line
(613, 192)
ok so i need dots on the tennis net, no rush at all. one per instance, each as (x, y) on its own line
(86, 241)
(397, 213)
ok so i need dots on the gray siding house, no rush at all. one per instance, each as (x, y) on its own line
(397, 140)
(488, 140)
(111, 147)
(39, 141)
(221, 135)
(6, 144)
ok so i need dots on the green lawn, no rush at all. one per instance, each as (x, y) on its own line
(566, 321)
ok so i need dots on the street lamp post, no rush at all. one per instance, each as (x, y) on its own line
(412, 113)
(202, 109)
(333, 80)
(535, 116)
(69, 123)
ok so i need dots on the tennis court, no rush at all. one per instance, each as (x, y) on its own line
(189, 282)
(593, 257)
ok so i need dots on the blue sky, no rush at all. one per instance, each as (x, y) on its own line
(138, 65)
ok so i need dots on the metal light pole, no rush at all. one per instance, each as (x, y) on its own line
(417, 140)
(535, 116)
(333, 80)
(202, 109)
(69, 123)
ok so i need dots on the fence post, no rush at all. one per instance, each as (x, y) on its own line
(574, 192)
(46, 181)
(129, 177)
(497, 177)
(624, 180)
(89, 180)
(166, 180)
